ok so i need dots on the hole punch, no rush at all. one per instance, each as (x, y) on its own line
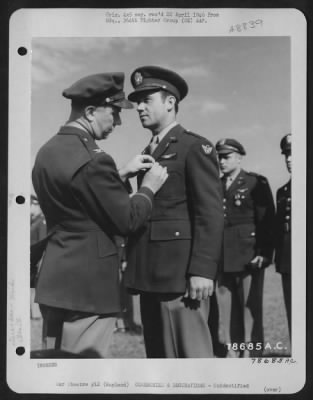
(22, 51)
(20, 199)
(20, 350)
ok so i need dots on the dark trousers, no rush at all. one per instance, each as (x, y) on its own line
(286, 281)
(175, 327)
(240, 298)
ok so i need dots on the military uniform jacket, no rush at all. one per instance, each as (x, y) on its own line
(184, 235)
(249, 214)
(283, 229)
(85, 204)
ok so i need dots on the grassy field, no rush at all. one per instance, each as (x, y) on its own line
(131, 345)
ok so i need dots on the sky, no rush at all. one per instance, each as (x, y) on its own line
(239, 87)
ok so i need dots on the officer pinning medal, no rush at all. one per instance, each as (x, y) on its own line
(85, 201)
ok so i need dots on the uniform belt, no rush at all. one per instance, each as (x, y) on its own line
(75, 226)
(235, 222)
(37, 249)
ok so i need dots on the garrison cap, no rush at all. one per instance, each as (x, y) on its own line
(285, 144)
(100, 89)
(225, 146)
(157, 78)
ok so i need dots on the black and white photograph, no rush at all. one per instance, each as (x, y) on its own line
(151, 191)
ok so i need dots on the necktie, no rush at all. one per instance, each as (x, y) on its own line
(153, 143)
(228, 182)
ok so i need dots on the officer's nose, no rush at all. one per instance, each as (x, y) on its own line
(140, 106)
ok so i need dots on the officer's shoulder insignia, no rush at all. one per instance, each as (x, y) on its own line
(207, 148)
(97, 151)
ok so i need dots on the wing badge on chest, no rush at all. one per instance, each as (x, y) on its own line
(171, 156)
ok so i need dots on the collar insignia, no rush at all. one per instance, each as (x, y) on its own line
(98, 151)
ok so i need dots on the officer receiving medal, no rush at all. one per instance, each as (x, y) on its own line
(173, 258)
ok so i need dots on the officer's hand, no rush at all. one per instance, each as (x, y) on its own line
(258, 261)
(155, 177)
(199, 288)
(138, 163)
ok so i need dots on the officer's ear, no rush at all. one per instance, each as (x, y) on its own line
(239, 157)
(171, 101)
(89, 113)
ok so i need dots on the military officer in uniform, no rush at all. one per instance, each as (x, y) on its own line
(86, 204)
(173, 258)
(283, 230)
(247, 249)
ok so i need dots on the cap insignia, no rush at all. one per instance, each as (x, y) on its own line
(138, 78)
(288, 138)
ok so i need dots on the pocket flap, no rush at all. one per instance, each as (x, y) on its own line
(247, 231)
(170, 230)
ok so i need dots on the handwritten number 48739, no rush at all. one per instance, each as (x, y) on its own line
(246, 26)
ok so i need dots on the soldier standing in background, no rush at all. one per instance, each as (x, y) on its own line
(248, 248)
(283, 230)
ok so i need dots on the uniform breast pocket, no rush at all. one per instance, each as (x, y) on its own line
(174, 187)
(247, 232)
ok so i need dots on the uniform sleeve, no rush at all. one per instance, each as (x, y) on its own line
(265, 218)
(102, 194)
(206, 205)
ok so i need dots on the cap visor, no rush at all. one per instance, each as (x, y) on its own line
(226, 151)
(123, 104)
(138, 92)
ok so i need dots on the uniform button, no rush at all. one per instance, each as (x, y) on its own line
(224, 200)
(288, 208)
(225, 215)
(123, 245)
(252, 233)
(289, 199)
(287, 217)
(224, 207)
(177, 233)
(85, 140)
